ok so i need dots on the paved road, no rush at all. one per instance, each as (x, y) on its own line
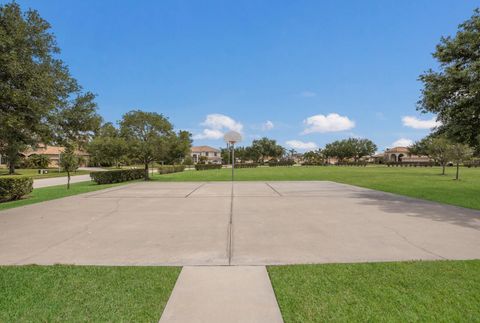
(44, 182)
(265, 223)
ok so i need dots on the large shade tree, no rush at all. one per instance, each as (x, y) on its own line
(351, 148)
(177, 148)
(108, 148)
(266, 148)
(453, 91)
(147, 135)
(34, 83)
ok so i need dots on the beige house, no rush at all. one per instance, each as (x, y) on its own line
(212, 155)
(403, 154)
(53, 153)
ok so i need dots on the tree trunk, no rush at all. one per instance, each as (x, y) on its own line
(12, 158)
(68, 180)
(146, 171)
(443, 169)
(458, 166)
(11, 168)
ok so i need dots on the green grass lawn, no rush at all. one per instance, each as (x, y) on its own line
(52, 172)
(426, 291)
(55, 192)
(424, 183)
(84, 293)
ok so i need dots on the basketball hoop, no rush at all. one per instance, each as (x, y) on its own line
(232, 137)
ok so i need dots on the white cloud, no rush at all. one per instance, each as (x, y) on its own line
(215, 126)
(209, 134)
(402, 142)
(308, 94)
(267, 125)
(221, 121)
(330, 123)
(301, 145)
(415, 123)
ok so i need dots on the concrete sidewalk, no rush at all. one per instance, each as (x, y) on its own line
(222, 294)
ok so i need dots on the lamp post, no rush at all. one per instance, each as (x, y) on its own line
(232, 137)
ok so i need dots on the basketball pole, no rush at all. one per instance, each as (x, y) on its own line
(233, 161)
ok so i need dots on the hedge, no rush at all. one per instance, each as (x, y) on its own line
(117, 176)
(274, 163)
(14, 188)
(410, 164)
(352, 163)
(168, 169)
(207, 166)
(246, 165)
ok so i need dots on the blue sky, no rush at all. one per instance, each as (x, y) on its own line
(302, 72)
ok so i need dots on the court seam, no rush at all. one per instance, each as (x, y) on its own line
(198, 187)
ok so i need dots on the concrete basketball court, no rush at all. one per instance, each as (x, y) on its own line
(263, 223)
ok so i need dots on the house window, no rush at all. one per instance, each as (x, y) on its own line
(215, 154)
(206, 154)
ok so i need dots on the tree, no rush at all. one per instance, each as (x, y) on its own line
(34, 83)
(39, 161)
(361, 147)
(452, 92)
(314, 157)
(147, 135)
(108, 147)
(75, 124)
(69, 162)
(77, 121)
(460, 153)
(340, 149)
(179, 147)
(351, 148)
(265, 147)
(437, 148)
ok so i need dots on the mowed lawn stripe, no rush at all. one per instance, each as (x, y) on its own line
(423, 291)
(84, 293)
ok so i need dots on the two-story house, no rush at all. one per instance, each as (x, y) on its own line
(211, 155)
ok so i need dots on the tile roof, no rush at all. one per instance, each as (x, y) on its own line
(198, 149)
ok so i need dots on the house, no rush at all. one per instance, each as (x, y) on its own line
(53, 153)
(210, 154)
(403, 154)
(396, 154)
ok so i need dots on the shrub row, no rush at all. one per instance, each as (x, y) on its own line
(167, 169)
(274, 163)
(472, 163)
(117, 176)
(402, 164)
(315, 164)
(207, 166)
(246, 165)
(357, 163)
(13, 188)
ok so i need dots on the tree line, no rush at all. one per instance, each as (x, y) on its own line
(265, 149)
